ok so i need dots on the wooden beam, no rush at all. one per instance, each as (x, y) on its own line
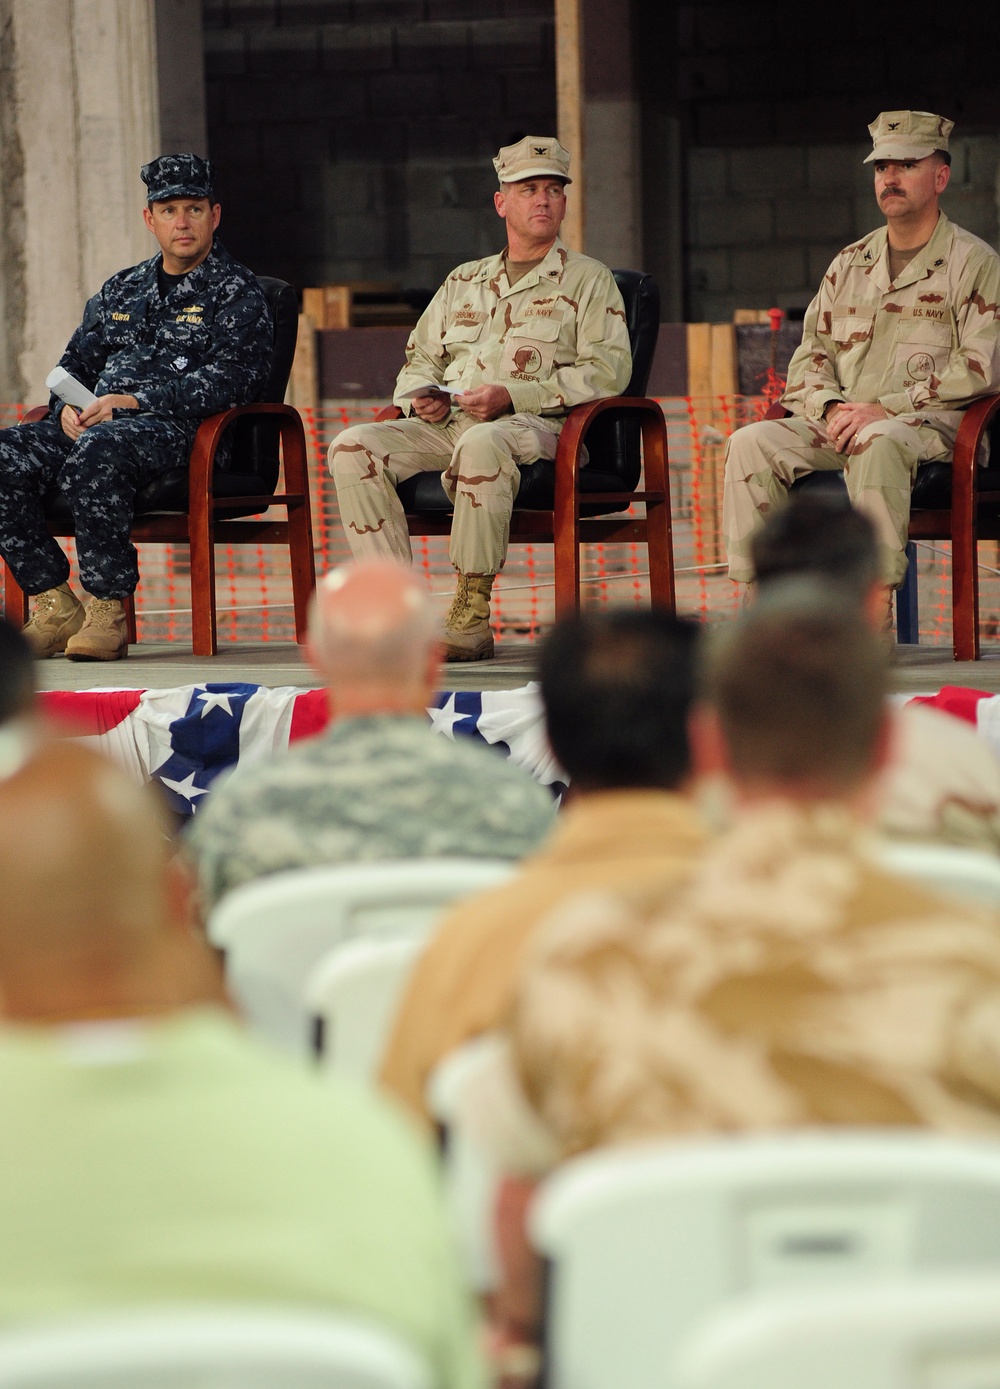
(569, 113)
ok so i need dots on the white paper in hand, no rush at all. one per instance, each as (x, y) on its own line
(69, 389)
(416, 391)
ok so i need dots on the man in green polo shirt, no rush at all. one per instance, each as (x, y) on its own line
(151, 1151)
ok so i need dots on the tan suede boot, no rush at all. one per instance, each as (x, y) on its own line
(104, 634)
(56, 616)
(467, 635)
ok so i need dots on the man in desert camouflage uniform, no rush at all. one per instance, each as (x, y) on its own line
(522, 337)
(789, 982)
(901, 337)
(379, 782)
(162, 345)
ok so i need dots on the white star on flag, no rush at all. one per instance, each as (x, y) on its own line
(443, 720)
(185, 788)
(215, 701)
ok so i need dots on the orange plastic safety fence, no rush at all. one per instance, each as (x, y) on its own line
(254, 591)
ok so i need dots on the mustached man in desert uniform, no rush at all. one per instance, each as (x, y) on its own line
(900, 339)
(518, 339)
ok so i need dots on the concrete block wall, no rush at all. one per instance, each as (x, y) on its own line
(764, 222)
(353, 138)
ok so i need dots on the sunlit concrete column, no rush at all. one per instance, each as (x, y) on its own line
(80, 96)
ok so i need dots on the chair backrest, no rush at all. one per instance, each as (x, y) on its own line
(613, 440)
(906, 1334)
(275, 930)
(471, 1174)
(181, 1348)
(644, 1242)
(351, 998)
(254, 440)
(969, 873)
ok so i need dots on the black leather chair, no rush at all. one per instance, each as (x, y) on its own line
(200, 505)
(566, 505)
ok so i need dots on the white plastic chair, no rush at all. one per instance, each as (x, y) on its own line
(208, 1348)
(645, 1241)
(351, 997)
(968, 873)
(909, 1334)
(471, 1177)
(274, 931)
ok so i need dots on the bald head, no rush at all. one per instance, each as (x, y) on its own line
(372, 638)
(93, 917)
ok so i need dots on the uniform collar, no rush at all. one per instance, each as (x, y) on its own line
(193, 282)
(550, 270)
(873, 256)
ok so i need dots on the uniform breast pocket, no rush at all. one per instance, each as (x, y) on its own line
(120, 333)
(852, 329)
(922, 350)
(460, 341)
(530, 349)
(184, 343)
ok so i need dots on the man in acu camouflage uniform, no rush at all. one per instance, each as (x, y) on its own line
(379, 782)
(161, 345)
(517, 340)
(901, 337)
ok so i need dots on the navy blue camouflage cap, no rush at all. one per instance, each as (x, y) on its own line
(177, 176)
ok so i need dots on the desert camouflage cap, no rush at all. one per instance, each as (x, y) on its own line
(177, 176)
(531, 157)
(908, 135)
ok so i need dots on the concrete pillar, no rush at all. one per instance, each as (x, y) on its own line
(80, 115)
(611, 135)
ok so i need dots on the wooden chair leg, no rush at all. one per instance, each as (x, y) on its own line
(204, 634)
(659, 526)
(303, 566)
(965, 598)
(133, 635)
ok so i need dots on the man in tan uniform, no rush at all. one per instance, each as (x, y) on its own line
(505, 349)
(901, 337)
(617, 687)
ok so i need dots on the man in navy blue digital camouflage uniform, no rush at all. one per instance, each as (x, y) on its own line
(162, 345)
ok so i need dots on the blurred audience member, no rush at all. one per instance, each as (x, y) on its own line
(791, 981)
(943, 780)
(616, 687)
(378, 782)
(152, 1152)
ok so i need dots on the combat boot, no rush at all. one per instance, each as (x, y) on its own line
(104, 634)
(467, 635)
(56, 616)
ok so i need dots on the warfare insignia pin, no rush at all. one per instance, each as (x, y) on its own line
(180, 363)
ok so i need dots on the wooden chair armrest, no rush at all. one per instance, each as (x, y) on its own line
(971, 432)
(209, 436)
(213, 427)
(581, 418)
(36, 413)
(391, 412)
(776, 412)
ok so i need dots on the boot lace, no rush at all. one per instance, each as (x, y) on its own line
(103, 612)
(459, 603)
